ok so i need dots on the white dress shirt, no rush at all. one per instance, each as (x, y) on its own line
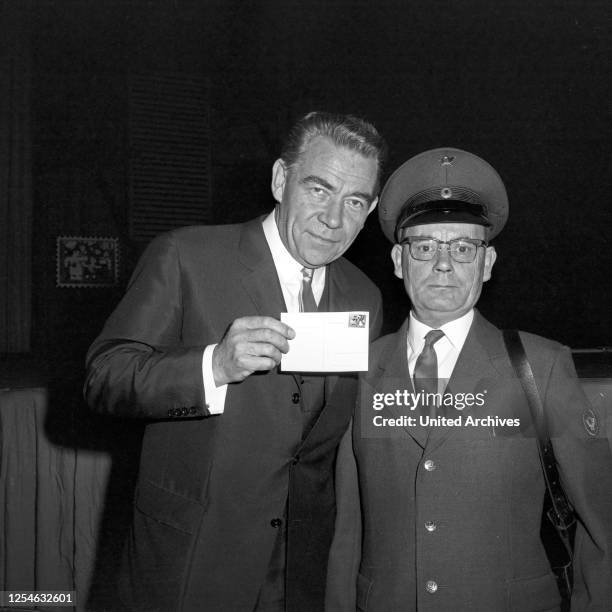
(447, 348)
(289, 273)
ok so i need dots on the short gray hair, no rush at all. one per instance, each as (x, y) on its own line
(343, 130)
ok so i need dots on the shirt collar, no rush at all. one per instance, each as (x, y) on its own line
(456, 331)
(288, 269)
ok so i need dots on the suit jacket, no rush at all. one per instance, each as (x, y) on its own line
(213, 490)
(451, 514)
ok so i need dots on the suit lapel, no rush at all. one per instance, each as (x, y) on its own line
(335, 299)
(477, 370)
(340, 291)
(391, 374)
(260, 280)
(338, 297)
(339, 294)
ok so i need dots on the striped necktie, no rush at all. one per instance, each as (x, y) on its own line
(426, 367)
(306, 297)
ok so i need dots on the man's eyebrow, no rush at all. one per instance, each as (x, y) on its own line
(313, 178)
(368, 197)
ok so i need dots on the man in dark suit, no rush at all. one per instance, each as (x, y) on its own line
(234, 507)
(450, 483)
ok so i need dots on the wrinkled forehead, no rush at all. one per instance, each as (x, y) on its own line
(447, 231)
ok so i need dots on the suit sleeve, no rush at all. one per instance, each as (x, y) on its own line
(140, 365)
(585, 467)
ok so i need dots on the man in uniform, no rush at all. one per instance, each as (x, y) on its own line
(234, 507)
(450, 482)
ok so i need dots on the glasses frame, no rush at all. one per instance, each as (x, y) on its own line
(409, 240)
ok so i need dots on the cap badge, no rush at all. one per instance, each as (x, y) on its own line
(447, 160)
(446, 193)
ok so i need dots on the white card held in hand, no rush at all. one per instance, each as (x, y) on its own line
(327, 342)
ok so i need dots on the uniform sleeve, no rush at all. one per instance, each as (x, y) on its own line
(376, 317)
(585, 467)
(140, 365)
(345, 552)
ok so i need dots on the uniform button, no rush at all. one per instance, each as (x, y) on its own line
(431, 586)
(276, 523)
(295, 398)
(430, 465)
(430, 526)
(295, 460)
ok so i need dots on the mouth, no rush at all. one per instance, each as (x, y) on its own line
(321, 239)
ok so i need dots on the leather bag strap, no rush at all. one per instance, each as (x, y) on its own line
(561, 513)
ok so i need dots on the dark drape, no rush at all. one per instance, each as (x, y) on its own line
(15, 176)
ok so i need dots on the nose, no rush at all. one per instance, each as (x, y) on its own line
(331, 215)
(443, 262)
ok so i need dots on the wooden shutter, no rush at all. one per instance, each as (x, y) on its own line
(169, 172)
(15, 178)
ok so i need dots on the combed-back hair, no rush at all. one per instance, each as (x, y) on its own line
(343, 130)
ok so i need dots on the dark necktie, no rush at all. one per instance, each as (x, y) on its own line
(306, 297)
(426, 367)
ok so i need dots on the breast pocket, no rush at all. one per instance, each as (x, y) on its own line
(538, 593)
(168, 507)
(163, 532)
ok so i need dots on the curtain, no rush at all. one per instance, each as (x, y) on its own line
(15, 176)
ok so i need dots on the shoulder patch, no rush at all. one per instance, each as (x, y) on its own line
(590, 421)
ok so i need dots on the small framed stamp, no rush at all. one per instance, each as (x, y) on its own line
(357, 319)
(87, 261)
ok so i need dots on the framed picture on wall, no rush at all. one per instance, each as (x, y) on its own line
(87, 261)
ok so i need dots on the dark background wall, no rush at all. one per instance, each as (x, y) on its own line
(526, 85)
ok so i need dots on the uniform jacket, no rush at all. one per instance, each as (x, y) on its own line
(451, 514)
(213, 489)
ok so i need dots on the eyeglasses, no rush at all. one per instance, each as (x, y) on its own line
(461, 250)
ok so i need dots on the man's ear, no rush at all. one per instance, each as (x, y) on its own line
(490, 257)
(396, 256)
(373, 205)
(279, 179)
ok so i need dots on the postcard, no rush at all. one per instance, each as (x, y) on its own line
(327, 342)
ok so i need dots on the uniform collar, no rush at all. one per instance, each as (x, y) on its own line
(456, 331)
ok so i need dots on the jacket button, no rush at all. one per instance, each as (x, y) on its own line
(295, 460)
(295, 398)
(430, 526)
(430, 465)
(276, 523)
(431, 586)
